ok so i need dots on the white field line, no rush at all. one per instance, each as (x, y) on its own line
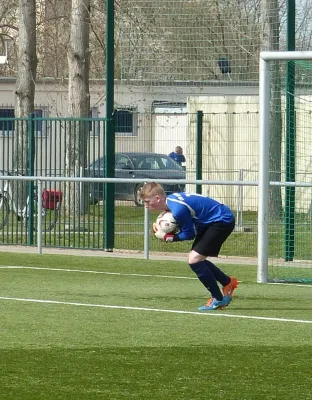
(213, 314)
(204, 314)
(290, 284)
(95, 272)
(122, 274)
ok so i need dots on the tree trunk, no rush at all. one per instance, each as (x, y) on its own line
(77, 195)
(25, 91)
(270, 42)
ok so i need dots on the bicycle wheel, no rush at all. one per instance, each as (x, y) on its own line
(4, 211)
(49, 218)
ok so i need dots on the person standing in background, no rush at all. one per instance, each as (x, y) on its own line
(177, 155)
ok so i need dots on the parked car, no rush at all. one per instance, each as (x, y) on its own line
(136, 166)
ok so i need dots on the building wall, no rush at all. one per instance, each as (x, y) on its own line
(231, 147)
(158, 128)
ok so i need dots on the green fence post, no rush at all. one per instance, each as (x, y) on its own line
(30, 172)
(290, 192)
(199, 150)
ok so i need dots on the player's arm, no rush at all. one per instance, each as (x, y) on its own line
(186, 224)
(182, 214)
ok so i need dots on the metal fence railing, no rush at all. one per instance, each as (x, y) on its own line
(47, 220)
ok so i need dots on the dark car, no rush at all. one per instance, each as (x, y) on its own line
(136, 166)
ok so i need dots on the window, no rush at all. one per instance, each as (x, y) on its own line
(126, 122)
(40, 125)
(168, 107)
(149, 163)
(123, 162)
(94, 123)
(7, 122)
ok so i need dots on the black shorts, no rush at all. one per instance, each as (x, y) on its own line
(209, 241)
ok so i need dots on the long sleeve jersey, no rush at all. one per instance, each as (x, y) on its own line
(194, 212)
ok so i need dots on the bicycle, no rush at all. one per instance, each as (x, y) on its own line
(51, 204)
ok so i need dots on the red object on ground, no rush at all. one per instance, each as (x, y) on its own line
(51, 198)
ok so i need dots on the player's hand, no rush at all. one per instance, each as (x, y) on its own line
(161, 235)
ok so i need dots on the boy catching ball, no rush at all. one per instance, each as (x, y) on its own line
(208, 223)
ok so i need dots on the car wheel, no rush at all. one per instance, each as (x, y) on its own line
(137, 200)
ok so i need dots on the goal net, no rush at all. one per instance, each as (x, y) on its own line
(285, 169)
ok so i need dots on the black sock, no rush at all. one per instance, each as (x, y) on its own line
(207, 278)
(218, 274)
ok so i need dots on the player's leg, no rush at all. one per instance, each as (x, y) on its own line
(209, 243)
(198, 264)
(220, 276)
(229, 283)
(221, 232)
(217, 235)
(214, 238)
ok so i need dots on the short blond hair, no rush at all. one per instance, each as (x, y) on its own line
(151, 189)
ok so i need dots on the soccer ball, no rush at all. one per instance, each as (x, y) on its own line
(166, 222)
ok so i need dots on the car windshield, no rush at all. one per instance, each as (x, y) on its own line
(154, 162)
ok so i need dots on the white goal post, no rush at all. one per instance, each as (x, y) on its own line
(264, 142)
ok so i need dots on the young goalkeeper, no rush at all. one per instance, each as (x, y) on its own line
(206, 221)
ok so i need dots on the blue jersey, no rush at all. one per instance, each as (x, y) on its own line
(194, 212)
(178, 158)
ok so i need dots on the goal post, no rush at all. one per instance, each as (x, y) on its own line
(265, 111)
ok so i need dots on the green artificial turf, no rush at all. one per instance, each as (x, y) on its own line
(117, 328)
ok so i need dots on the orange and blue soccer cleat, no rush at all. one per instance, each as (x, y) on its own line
(214, 304)
(230, 287)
